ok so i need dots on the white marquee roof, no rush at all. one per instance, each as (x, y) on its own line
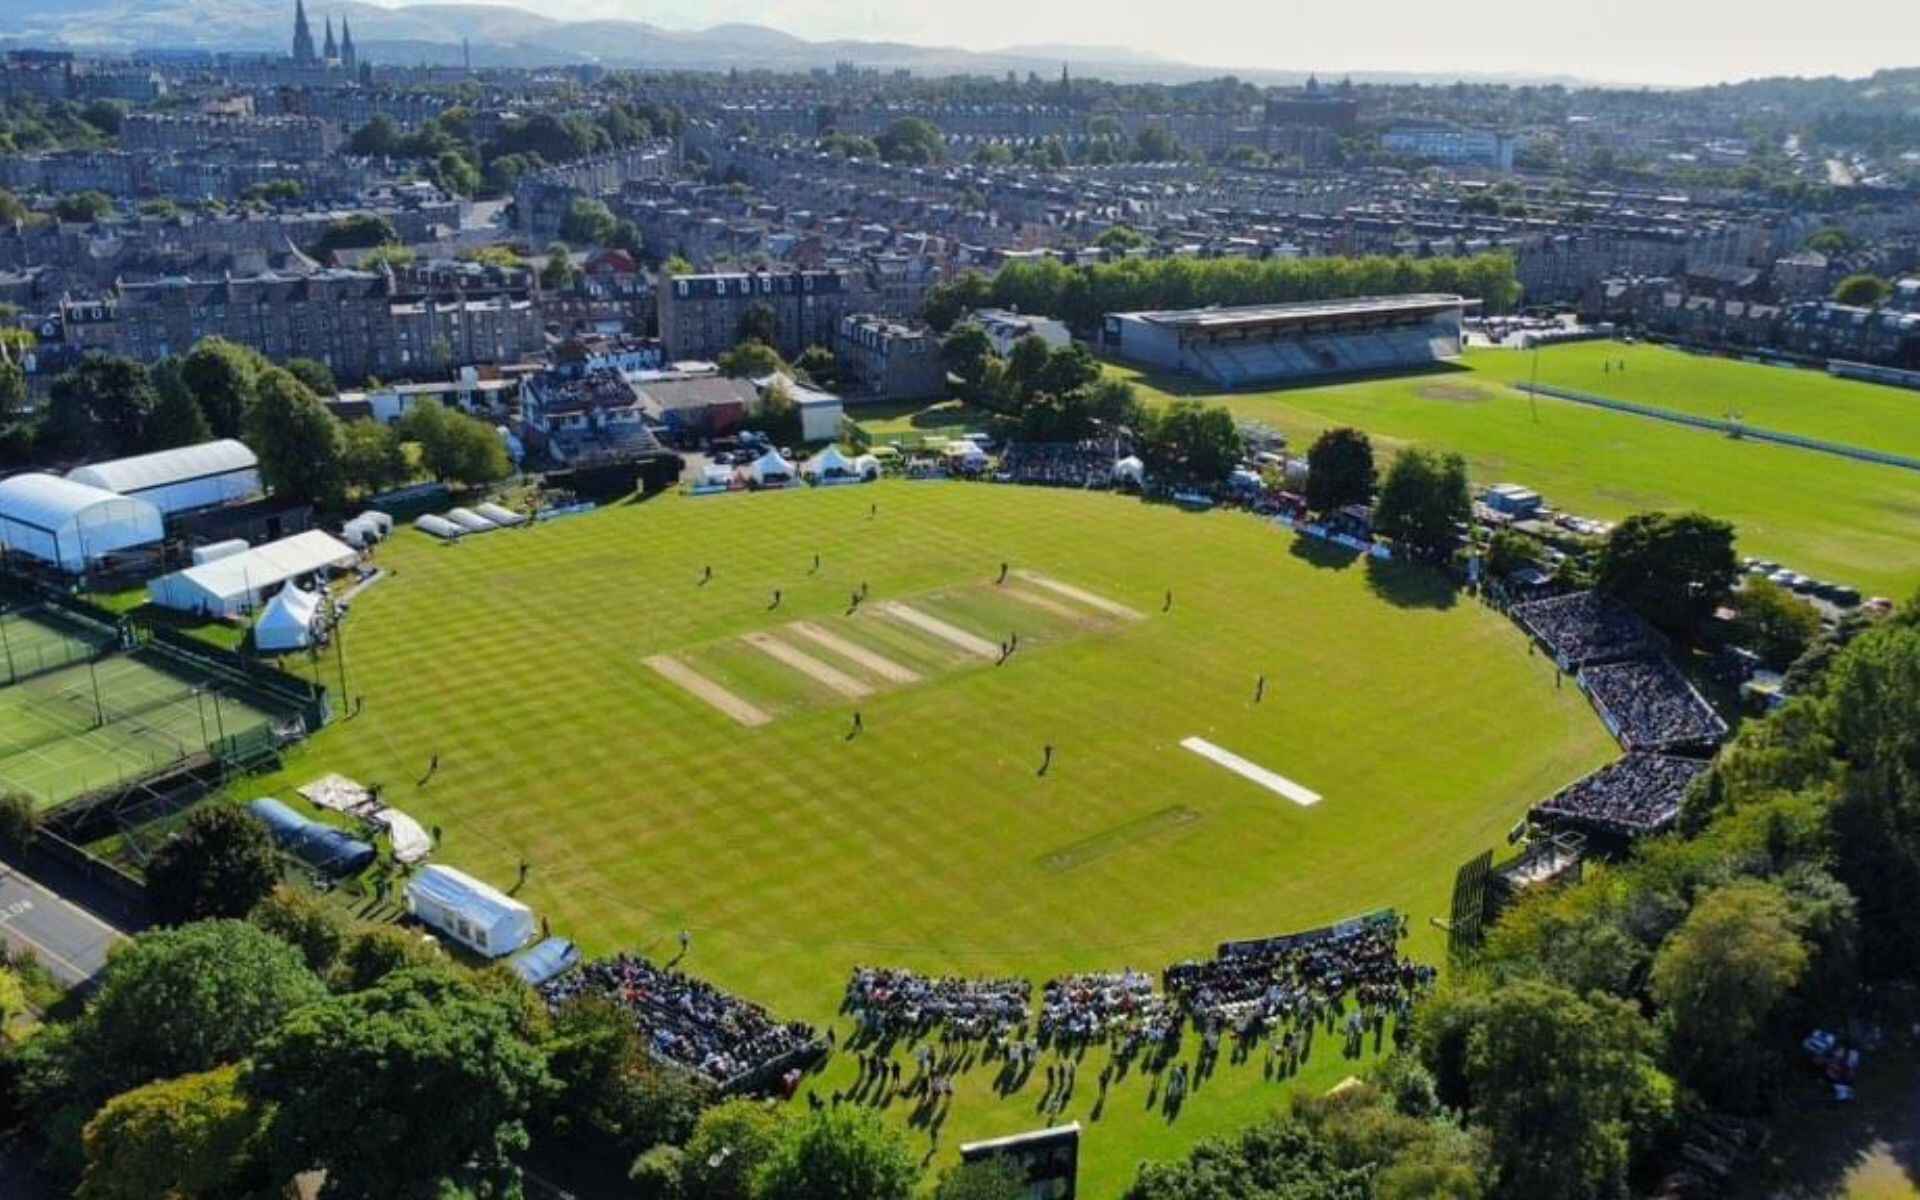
(264, 566)
(167, 467)
(50, 502)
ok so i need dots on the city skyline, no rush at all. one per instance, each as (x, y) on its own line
(1619, 41)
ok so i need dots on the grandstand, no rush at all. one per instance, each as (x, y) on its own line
(1274, 343)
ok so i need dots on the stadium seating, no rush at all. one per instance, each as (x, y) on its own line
(1235, 363)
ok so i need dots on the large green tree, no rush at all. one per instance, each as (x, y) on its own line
(101, 406)
(1339, 470)
(1865, 291)
(454, 446)
(1189, 442)
(1424, 502)
(297, 440)
(838, 1154)
(220, 864)
(443, 1064)
(1673, 569)
(188, 999)
(1774, 623)
(195, 1136)
(731, 1142)
(987, 1179)
(223, 377)
(1721, 982)
(372, 456)
(913, 142)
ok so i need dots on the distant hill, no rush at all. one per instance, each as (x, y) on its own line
(506, 36)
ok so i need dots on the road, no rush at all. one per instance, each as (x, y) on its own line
(66, 939)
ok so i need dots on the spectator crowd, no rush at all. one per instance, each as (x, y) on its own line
(1299, 980)
(1585, 627)
(685, 1020)
(1058, 464)
(897, 1002)
(1651, 706)
(1639, 794)
(1080, 1009)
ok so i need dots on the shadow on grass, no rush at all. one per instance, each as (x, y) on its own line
(1188, 385)
(1410, 585)
(1328, 556)
(1822, 1149)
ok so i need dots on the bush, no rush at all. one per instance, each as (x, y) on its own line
(655, 1175)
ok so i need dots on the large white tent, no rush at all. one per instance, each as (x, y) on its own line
(771, 468)
(829, 462)
(67, 524)
(289, 620)
(475, 914)
(180, 480)
(234, 585)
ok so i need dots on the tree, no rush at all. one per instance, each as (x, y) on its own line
(758, 324)
(1155, 143)
(912, 142)
(224, 378)
(102, 405)
(1120, 237)
(1774, 623)
(992, 154)
(176, 419)
(1508, 552)
(1831, 240)
(1339, 470)
(378, 138)
(81, 208)
(362, 231)
(819, 365)
(19, 822)
(455, 174)
(317, 375)
(1424, 502)
(12, 210)
(315, 929)
(192, 1136)
(656, 1173)
(750, 360)
(966, 353)
(220, 864)
(731, 1142)
(1554, 1079)
(558, 271)
(391, 257)
(375, 952)
(454, 446)
(1672, 569)
(443, 1064)
(1721, 981)
(13, 389)
(778, 416)
(189, 999)
(1026, 371)
(613, 1092)
(1190, 442)
(838, 1154)
(987, 1179)
(296, 439)
(952, 299)
(1865, 291)
(587, 222)
(676, 264)
(372, 457)
(1278, 1159)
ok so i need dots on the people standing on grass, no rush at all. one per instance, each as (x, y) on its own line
(1168, 606)
(1003, 575)
(1046, 760)
(1260, 689)
(706, 577)
(776, 600)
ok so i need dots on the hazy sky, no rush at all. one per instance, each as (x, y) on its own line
(1658, 41)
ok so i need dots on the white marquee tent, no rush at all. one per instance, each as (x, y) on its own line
(475, 914)
(770, 467)
(1130, 470)
(66, 523)
(181, 480)
(828, 462)
(234, 585)
(289, 620)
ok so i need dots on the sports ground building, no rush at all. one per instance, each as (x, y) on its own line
(1274, 343)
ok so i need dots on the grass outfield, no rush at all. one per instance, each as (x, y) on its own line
(793, 853)
(1829, 517)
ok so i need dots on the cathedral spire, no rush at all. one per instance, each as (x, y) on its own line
(348, 58)
(302, 36)
(332, 49)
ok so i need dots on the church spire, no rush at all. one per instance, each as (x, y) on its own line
(348, 57)
(332, 49)
(302, 36)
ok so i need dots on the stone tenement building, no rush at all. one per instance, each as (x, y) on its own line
(279, 137)
(419, 321)
(881, 359)
(700, 314)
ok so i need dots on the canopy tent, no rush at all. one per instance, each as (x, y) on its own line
(965, 451)
(215, 551)
(867, 466)
(320, 846)
(477, 915)
(716, 473)
(771, 468)
(180, 480)
(1130, 470)
(439, 527)
(470, 520)
(234, 585)
(69, 524)
(549, 960)
(366, 529)
(288, 622)
(829, 462)
(500, 516)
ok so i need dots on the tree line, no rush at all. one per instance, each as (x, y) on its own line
(1081, 295)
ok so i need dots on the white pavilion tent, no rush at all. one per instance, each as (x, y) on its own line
(475, 914)
(770, 467)
(289, 620)
(829, 462)
(182, 479)
(68, 524)
(867, 466)
(234, 585)
(1130, 470)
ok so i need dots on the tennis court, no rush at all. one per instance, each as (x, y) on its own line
(85, 727)
(36, 640)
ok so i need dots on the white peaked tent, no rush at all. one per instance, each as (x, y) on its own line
(235, 584)
(1130, 470)
(475, 914)
(867, 467)
(829, 462)
(770, 466)
(289, 620)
